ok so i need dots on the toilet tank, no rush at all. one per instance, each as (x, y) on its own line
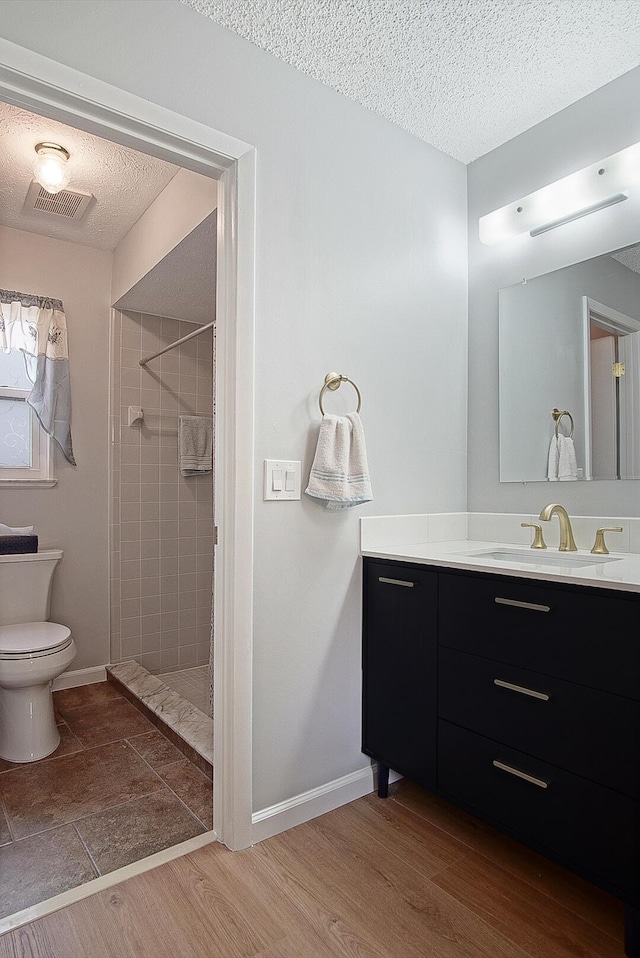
(25, 586)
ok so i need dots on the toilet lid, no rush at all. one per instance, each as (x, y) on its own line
(28, 638)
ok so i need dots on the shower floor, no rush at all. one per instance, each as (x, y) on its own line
(193, 685)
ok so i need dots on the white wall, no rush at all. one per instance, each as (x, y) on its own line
(72, 516)
(590, 130)
(361, 268)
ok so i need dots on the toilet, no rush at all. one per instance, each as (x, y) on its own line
(33, 652)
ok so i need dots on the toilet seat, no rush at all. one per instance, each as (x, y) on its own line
(27, 640)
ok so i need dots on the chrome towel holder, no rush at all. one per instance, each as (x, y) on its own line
(557, 415)
(333, 381)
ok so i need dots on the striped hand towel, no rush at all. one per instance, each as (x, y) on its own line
(340, 475)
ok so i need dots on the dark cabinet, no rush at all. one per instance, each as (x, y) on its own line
(399, 720)
(519, 701)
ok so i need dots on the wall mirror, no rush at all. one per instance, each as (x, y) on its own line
(569, 341)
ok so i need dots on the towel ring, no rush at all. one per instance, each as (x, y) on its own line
(333, 381)
(557, 415)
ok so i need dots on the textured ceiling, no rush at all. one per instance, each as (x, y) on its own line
(629, 257)
(464, 75)
(123, 181)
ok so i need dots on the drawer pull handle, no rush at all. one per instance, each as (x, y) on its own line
(519, 688)
(519, 774)
(404, 582)
(523, 605)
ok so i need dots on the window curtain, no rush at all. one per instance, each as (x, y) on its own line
(37, 326)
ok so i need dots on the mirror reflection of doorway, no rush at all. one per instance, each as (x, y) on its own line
(613, 436)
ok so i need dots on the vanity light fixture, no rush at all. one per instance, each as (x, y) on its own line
(594, 188)
(50, 168)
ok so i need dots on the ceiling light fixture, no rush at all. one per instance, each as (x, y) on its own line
(596, 187)
(50, 168)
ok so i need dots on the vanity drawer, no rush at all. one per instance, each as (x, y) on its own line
(586, 638)
(573, 820)
(588, 732)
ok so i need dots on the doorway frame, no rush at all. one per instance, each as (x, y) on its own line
(614, 322)
(44, 86)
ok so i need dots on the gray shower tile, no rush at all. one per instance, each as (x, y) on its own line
(130, 608)
(169, 602)
(169, 510)
(151, 623)
(131, 627)
(130, 531)
(151, 661)
(169, 565)
(204, 598)
(150, 453)
(169, 658)
(130, 492)
(149, 567)
(130, 588)
(130, 551)
(150, 492)
(151, 604)
(169, 639)
(150, 586)
(150, 643)
(130, 647)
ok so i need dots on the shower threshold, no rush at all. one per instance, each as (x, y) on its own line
(190, 730)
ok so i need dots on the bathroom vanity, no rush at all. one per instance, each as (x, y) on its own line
(512, 691)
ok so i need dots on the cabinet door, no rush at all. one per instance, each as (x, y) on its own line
(400, 668)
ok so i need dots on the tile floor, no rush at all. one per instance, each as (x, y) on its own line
(193, 685)
(115, 791)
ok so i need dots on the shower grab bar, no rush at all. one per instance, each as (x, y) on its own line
(178, 342)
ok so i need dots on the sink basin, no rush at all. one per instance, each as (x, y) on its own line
(542, 557)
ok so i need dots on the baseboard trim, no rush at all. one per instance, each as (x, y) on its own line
(317, 801)
(71, 680)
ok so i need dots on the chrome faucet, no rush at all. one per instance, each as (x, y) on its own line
(567, 542)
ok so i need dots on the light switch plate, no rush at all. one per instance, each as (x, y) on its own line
(283, 473)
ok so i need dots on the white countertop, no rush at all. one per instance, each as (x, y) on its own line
(458, 552)
(623, 573)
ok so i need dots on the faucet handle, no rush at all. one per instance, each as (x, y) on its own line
(599, 546)
(538, 541)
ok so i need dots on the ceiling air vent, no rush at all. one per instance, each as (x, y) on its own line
(68, 203)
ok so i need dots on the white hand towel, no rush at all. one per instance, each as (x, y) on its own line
(340, 473)
(552, 466)
(567, 465)
(195, 444)
(17, 531)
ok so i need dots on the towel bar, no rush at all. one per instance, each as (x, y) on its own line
(557, 415)
(332, 381)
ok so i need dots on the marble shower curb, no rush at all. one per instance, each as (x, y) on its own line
(189, 729)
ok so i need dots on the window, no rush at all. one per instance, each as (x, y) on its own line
(25, 448)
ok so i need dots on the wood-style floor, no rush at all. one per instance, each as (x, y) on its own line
(401, 878)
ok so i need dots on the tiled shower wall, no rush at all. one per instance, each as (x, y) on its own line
(161, 522)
